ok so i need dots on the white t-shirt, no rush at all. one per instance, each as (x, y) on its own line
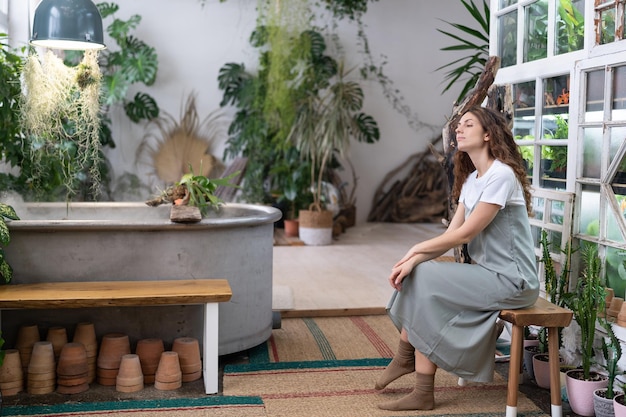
(498, 185)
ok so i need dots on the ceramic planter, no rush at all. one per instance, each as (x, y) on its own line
(541, 366)
(530, 350)
(602, 406)
(580, 392)
(291, 227)
(619, 405)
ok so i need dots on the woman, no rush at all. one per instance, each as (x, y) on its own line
(446, 312)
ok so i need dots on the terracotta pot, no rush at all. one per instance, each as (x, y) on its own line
(72, 360)
(188, 350)
(149, 352)
(27, 335)
(580, 392)
(614, 308)
(85, 333)
(130, 377)
(72, 389)
(292, 227)
(11, 373)
(168, 374)
(58, 337)
(112, 348)
(619, 405)
(42, 359)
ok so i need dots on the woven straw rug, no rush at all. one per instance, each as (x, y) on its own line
(326, 367)
(321, 367)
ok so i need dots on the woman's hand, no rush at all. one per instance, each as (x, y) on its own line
(401, 270)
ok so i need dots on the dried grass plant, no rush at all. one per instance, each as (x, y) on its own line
(175, 147)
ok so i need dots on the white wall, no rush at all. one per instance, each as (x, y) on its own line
(193, 43)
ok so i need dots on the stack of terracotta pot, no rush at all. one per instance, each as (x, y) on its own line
(112, 348)
(129, 377)
(149, 352)
(168, 375)
(614, 308)
(27, 336)
(11, 373)
(41, 377)
(58, 337)
(188, 350)
(85, 333)
(72, 369)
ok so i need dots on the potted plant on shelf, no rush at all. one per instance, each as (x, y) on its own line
(6, 272)
(585, 302)
(612, 352)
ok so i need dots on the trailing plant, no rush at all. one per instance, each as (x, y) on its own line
(585, 302)
(60, 116)
(476, 41)
(6, 272)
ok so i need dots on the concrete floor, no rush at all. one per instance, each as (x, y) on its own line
(351, 273)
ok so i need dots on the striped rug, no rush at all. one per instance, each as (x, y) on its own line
(327, 367)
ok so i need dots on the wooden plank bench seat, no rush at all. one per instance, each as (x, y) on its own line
(544, 314)
(208, 292)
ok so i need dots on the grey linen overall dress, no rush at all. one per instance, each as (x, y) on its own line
(449, 309)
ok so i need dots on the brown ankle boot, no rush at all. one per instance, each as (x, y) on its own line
(403, 363)
(421, 398)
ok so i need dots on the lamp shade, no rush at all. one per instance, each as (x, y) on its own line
(68, 24)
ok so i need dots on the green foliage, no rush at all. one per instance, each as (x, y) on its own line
(201, 190)
(6, 272)
(476, 41)
(612, 353)
(291, 181)
(570, 28)
(586, 301)
(11, 146)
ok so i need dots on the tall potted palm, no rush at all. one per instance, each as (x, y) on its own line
(585, 302)
(324, 125)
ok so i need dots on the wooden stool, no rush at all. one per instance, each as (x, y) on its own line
(544, 314)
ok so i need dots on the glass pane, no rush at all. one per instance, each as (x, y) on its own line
(556, 95)
(607, 25)
(619, 94)
(507, 35)
(616, 270)
(619, 188)
(589, 222)
(538, 208)
(536, 34)
(528, 153)
(552, 171)
(536, 233)
(570, 26)
(507, 3)
(617, 138)
(524, 110)
(613, 231)
(556, 211)
(594, 103)
(592, 145)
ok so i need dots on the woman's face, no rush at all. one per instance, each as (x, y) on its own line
(470, 134)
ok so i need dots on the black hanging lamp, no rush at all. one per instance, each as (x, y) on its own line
(68, 24)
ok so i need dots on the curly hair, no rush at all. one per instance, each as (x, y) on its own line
(502, 147)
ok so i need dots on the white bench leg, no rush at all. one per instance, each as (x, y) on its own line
(210, 345)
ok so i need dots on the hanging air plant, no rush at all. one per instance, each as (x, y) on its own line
(60, 115)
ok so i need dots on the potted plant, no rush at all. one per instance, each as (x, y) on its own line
(619, 404)
(6, 272)
(291, 179)
(612, 352)
(585, 302)
(556, 286)
(324, 125)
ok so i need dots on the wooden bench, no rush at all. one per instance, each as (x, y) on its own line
(544, 314)
(208, 292)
